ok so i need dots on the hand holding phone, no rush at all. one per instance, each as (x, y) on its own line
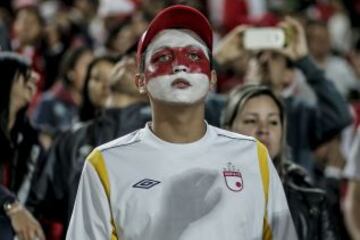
(296, 47)
(230, 46)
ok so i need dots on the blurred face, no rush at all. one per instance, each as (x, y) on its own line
(98, 87)
(79, 71)
(260, 118)
(86, 7)
(275, 71)
(23, 89)
(123, 76)
(177, 68)
(318, 41)
(124, 39)
(27, 27)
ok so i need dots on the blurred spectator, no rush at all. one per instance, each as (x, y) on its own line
(352, 198)
(227, 14)
(28, 26)
(150, 8)
(58, 107)
(123, 37)
(5, 25)
(232, 60)
(27, 39)
(353, 9)
(355, 59)
(308, 125)
(339, 26)
(336, 68)
(19, 146)
(328, 172)
(96, 87)
(83, 15)
(126, 111)
(255, 111)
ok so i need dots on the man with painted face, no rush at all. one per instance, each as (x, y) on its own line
(179, 177)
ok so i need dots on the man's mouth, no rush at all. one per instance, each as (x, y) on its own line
(180, 83)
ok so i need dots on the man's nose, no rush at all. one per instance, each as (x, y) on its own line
(180, 68)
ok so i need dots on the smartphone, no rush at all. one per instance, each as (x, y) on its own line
(264, 38)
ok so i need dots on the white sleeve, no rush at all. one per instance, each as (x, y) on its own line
(279, 216)
(91, 218)
(352, 168)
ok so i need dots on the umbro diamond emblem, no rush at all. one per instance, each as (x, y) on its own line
(146, 183)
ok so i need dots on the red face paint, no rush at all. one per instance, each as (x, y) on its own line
(164, 61)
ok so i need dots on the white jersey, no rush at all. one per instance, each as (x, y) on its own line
(140, 187)
(352, 167)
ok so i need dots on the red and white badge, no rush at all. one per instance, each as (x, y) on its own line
(233, 178)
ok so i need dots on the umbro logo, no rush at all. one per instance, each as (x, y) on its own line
(146, 183)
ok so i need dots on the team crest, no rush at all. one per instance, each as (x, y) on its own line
(233, 178)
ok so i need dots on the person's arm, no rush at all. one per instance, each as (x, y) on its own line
(331, 113)
(352, 209)
(23, 223)
(230, 47)
(91, 217)
(352, 198)
(5, 197)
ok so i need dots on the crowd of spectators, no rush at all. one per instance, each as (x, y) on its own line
(67, 86)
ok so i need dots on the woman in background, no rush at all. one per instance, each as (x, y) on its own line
(255, 110)
(96, 86)
(58, 108)
(20, 148)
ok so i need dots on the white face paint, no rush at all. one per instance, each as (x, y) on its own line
(163, 88)
(182, 87)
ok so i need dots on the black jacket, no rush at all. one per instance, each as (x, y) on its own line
(311, 125)
(59, 181)
(308, 206)
(20, 152)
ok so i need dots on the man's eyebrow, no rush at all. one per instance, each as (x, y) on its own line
(160, 49)
(194, 46)
(186, 46)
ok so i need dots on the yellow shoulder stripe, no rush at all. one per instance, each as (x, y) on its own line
(264, 171)
(96, 159)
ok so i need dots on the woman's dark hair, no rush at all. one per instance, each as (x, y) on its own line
(87, 109)
(11, 65)
(69, 61)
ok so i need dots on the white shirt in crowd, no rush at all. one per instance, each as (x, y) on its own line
(141, 187)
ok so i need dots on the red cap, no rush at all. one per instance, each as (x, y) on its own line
(177, 16)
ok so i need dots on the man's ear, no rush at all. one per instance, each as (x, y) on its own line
(213, 80)
(140, 83)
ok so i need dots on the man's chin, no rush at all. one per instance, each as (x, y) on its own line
(178, 102)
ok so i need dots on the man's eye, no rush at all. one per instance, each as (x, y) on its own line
(194, 56)
(164, 58)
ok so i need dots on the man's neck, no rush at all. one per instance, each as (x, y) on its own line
(178, 124)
